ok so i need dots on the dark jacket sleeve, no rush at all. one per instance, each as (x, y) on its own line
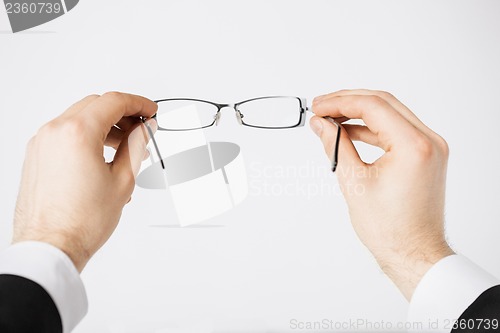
(26, 307)
(483, 315)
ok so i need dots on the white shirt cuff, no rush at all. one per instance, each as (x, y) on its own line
(445, 292)
(53, 270)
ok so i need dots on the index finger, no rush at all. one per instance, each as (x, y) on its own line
(380, 117)
(104, 112)
(390, 99)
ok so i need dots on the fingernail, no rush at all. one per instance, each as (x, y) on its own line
(146, 155)
(152, 124)
(317, 100)
(151, 127)
(331, 120)
(316, 126)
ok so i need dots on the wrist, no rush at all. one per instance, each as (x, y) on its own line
(407, 266)
(68, 245)
(73, 249)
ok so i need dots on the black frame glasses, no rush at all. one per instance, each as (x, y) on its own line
(301, 109)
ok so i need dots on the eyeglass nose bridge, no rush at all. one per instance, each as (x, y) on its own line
(238, 114)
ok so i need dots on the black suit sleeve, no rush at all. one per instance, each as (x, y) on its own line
(485, 307)
(26, 307)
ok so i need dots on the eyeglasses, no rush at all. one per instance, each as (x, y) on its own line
(271, 112)
(274, 112)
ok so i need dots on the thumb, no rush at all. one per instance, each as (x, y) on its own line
(130, 152)
(348, 156)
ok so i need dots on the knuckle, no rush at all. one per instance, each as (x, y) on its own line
(423, 147)
(112, 94)
(115, 96)
(426, 148)
(73, 129)
(385, 94)
(92, 96)
(49, 128)
(443, 146)
(376, 100)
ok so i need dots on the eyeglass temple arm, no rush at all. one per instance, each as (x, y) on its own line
(152, 136)
(335, 158)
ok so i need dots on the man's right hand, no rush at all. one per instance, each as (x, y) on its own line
(70, 197)
(396, 204)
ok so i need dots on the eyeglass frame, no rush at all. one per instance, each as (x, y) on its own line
(239, 116)
(302, 105)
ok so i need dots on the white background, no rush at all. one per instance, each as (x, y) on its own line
(274, 257)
